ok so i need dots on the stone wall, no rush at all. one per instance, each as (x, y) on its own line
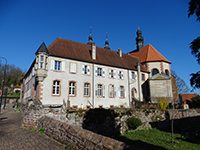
(66, 126)
(78, 137)
(33, 110)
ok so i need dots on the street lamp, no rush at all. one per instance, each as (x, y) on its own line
(3, 81)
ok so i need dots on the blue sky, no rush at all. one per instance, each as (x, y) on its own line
(25, 24)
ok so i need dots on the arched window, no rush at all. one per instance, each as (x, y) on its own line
(133, 92)
(167, 72)
(154, 71)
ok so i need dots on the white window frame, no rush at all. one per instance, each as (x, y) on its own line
(121, 92)
(56, 87)
(85, 69)
(73, 67)
(72, 88)
(111, 91)
(120, 75)
(86, 89)
(57, 65)
(99, 71)
(132, 75)
(99, 90)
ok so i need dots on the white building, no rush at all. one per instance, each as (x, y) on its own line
(86, 75)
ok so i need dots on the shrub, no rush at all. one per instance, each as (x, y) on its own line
(133, 122)
(41, 130)
(163, 104)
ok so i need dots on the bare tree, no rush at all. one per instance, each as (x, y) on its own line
(181, 85)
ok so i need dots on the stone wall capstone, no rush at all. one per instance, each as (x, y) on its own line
(78, 137)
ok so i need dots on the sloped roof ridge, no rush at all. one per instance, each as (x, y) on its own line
(147, 51)
(81, 51)
(155, 51)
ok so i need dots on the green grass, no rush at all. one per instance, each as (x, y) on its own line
(18, 108)
(156, 139)
(33, 128)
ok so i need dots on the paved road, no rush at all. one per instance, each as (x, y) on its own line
(14, 137)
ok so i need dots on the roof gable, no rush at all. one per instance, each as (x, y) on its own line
(42, 49)
(80, 51)
(149, 54)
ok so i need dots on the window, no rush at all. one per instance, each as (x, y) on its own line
(167, 72)
(57, 65)
(111, 74)
(99, 72)
(56, 87)
(133, 92)
(41, 58)
(99, 90)
(121, 91)
(111, 87)
(120, 75)
(73, 67)
(72, 88)
(86, 69)
(41, 61)
(143, 77)
(86, 89)
(132, 75)
(41, 65)
(154, 71)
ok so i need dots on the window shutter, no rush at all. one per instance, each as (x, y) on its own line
(124, 92)
(122, 75)
(119, 91)
(71, 67)
(63, 66)
(52, 64)
(114, 74)
(96, 89)
(117, 74)
(104, 91)
(130, 75)
(83, 67)
(74, 68)
(104, 72)
(135, 75)
(115, 91)
(88, 70)
(95, 71)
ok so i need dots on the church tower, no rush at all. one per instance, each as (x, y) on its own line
(90, 37)
(106, 42)
(139, 40)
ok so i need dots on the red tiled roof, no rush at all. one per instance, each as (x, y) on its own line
(187, 97)
(80, 51)
(148, 53)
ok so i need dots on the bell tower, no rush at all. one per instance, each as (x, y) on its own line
(139, 39)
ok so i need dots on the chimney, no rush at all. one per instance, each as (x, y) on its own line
(120, 52)
(93, 51)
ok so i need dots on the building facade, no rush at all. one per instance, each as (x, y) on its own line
(84, 75)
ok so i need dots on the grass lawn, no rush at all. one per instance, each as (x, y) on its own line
(156, 139)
